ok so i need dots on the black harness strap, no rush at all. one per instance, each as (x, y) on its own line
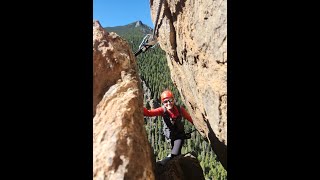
(173, 128)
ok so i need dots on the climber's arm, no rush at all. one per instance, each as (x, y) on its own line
(153, 112)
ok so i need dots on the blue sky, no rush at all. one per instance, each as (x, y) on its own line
(121, 12)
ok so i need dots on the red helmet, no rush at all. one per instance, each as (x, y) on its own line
(166, 94)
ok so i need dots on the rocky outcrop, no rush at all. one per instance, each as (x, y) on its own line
(182, 167)
(120, 146)
(111, 55)
(194, 36)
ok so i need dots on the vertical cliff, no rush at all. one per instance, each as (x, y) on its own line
(194, 36)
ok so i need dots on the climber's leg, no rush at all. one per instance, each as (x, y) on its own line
(177, 146)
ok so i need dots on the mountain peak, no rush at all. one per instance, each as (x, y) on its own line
(138, 23)
(134, 27)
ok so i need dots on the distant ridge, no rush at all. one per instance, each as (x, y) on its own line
(135, 27)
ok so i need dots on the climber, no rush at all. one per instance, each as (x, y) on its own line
(173, 126)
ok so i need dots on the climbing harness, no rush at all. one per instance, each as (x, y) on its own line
(174, 130)
(188, 135)
(150, 41)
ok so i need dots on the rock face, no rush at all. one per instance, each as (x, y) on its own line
(182, 167)
(194, 36)
(111, 55)
(120, 146)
